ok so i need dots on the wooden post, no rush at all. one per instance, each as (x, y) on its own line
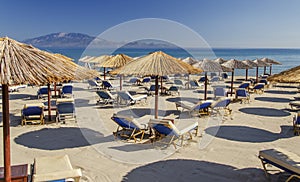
(121, 82)
(257, 74)
(6, 133)
(270, 69)
(231, 90)
(104, 73)
(156, 97)
(205, 86)
(161, 85)
(246, 74)
(49, 102)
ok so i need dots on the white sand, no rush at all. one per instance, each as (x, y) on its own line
(231, 155)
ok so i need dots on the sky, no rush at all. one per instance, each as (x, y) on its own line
(222, 23)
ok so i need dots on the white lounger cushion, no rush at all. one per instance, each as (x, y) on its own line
(54, 168)
(283, 158)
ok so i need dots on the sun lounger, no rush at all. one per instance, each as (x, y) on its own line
(201, 107)
(173, 129)
(296, 124)
(33, 113)
(107, 85)
(258, 88)
(129, 127)
(220, 92)
(221, 104)
(105, 97)
(243, 95)
(281, 159)
(124, 97)
(67, 91)
(42, 92)
(178, 83)
(65, 110)
(93, 84)
(173, 90)
(52, 168)
(295, 105)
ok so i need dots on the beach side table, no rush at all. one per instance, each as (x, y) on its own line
(19, 173)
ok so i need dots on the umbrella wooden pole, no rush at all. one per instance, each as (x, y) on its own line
(270, 69)
(104, 73)
(257, 74)
(55, 90)
(121, 82)
(161, 86)
(188, 81)
(265, 70)
(6, 132)
(232, 75)
(246, 74)
(49, 102)
(205, 86)
(156, 97)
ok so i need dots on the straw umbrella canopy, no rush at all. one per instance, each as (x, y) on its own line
(220, 60)
(24, 64)
(86, 60)
(259, 63)
(190, 60)
(116, 61)
(251, 64)
(270, 62)
(208, 66)
(154, 64)
(234, 64)
(288, 76)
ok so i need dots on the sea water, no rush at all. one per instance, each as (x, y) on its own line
(288, 57)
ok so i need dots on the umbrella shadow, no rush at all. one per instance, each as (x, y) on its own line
(140, 112)
(134, 147)
(285, 86)
(83, 103)
(16, 96)
(281, 92)
(263, 111)
(177, 99)
(249, 134)
(202, 91)
(272, 99)
(14, 120)
(192, 170)
(61, 138)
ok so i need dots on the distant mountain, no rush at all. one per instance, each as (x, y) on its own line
(68, 40)
(78, 40)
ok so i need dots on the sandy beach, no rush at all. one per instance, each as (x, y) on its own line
(226, 148)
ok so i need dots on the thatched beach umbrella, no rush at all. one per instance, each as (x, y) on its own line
(234, 64)
(270, 62)
(220, 60)
(116, 61)
(259, 63)
(97, 61)
(86, 60)
(251, 64)
(154, 64)
(288, 76)
(24, 64)
(190, 60)
(208, 66)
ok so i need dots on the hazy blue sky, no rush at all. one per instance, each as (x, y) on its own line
(222, 23)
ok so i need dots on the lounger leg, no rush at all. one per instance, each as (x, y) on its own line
(292, 176)
(264, 166)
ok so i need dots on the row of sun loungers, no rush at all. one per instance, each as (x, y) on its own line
(34, 113)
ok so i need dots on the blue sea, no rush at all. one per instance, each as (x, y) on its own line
(288, 57)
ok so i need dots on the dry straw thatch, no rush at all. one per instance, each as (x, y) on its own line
(154, 64)
(190, 60)
(100, 59)
(288, 76)
(116, 61)
(22, 64)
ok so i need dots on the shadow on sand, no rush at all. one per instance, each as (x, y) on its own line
(272, 99)
(140, 112)
(249, 134)
(61, 138)
(262, 111)
(280, 92)
(188, 99)
(192, 170)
